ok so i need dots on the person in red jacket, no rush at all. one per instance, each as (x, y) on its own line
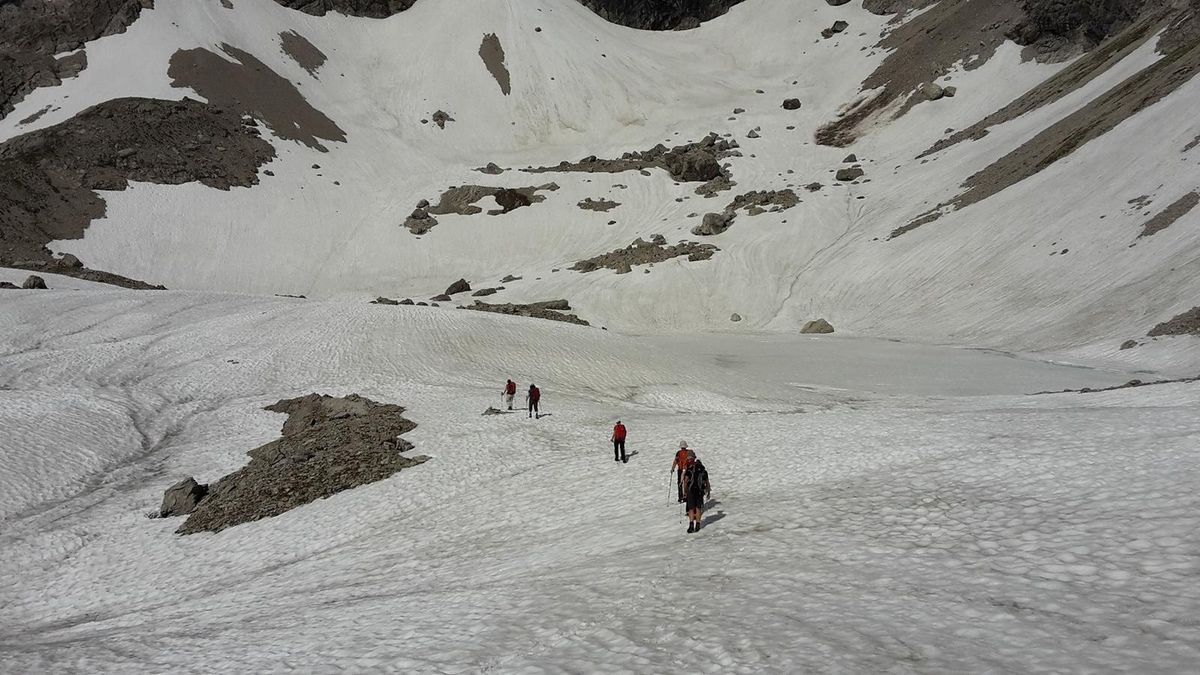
(682, 460)
(618, 439)
(510, 390)
(532, 399)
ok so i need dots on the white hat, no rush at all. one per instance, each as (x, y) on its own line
(683, 444)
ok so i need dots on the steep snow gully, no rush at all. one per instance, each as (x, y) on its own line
(983, 201)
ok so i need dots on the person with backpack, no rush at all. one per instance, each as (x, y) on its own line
(679, 465)
(531, 399)
(696, 489)
(510, 390)
(618, 440)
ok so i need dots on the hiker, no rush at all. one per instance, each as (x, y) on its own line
(697, 489)
(532, 399)
(679, 465)
(618, 440)
(510, 390)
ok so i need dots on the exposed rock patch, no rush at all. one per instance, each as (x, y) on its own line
(491, 169)
(441, 118)
(1187, 323)
(492, 53)
(691, 163)
(460, 286)
(817, 327)
(837, 27)
(182, 498)
(64, 268)
(374, 9)
(48, 177)
(31, 33)
(642, 252)
(764, 201)
(1167, 217)
(659, 14)
(849, 174)
(249, 87)
(384, 301)
(601, 204)
(303, 52)
(34, 282)
(328, 445)
(553, 310)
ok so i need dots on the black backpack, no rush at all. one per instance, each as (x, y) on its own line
(696, 477)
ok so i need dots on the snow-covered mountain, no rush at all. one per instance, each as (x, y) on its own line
(983, 199)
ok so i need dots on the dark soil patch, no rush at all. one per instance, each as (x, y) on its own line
(32, 32)
(248, 86)
(697, 162)
(302, 51)
(1187, 323)
(1167, 217)
(48, 177)
(642, 252)
(374, 9)
(492, 53)
(328, 445)
(552, 310)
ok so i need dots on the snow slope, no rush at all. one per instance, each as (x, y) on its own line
(861, 528)
(983, 276)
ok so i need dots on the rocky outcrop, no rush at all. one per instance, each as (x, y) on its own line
(601, 204)
(31, 33)
(460, 286)
(552, 310)
(49, 178)
(642, 252)
(70, 266)
(375, 9)
(819, 326)
(182, 498)
(328, 445)
(713, 224)
(1173, 212)
(693, 162)
(659, 14)
(1187, 323)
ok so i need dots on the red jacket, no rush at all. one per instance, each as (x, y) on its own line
(510, 388)
(535, 394)
(619, 432)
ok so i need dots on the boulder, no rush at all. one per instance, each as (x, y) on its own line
(406, 301)
(34, 282)
(460, 286)
(752, 134)
(493, 411)
(8, 284)
(491, 169)
(791, 104)
(949, 92)
(820, 326)
(70, 260)
(441, 298)
(847, 175)
(440, 118)
(837, 27)
(484, 291)
(735, 317)
(850, 158)
(713, 223)
(181, 498)
(837, 3)
(384, 301)
(932, 91)
(1129, 344)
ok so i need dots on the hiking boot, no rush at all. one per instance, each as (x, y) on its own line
(691, 527)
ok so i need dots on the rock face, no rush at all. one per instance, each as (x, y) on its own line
(659, 14)
(328, 445)
(182, 498)
(820, 326)
(31, 33)
(375, 9)
(50, 176)
(33, 282)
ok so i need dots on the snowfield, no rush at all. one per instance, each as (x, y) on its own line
(890, 498)
(864, 527)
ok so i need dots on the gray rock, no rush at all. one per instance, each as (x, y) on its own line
(484, 291)
(837, 3)
(8, 284)
(440, 118)
(791, 104)
(949, 92)
(406, 301)
(491, 169)
(820, 326)
(384, 301)
(182, 498)
(752, 134)
(932, 91)
(441, 298)
(738, 111)
(1129, 344)
(69, 260)
(837, 27)
(460, 286)
(713, 224)
(735, 317)
(34, 282)
(851, 158)
(847, 175)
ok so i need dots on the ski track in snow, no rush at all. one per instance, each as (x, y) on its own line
(865, 528)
